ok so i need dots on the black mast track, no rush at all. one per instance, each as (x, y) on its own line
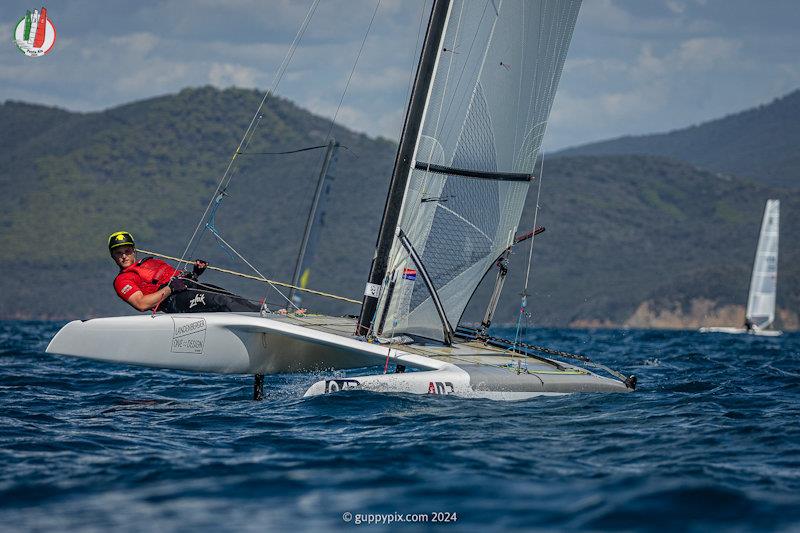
(402, 163)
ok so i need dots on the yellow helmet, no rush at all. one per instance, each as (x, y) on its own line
(120, 238)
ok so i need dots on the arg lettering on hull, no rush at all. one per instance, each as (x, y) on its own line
(439, 387)
(189, 335)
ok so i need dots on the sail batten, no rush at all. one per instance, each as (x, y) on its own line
(478, 174)
(498, 65)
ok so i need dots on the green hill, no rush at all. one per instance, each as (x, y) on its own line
(630, 240)
(151, 167)
(653, 235)
(760, 143)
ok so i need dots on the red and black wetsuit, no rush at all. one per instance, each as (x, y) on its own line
(148, 275)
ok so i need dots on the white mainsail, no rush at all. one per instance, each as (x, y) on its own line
(761, 300)
(486, 113)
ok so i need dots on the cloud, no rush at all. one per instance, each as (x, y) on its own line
(374, 121)
(608, 96)
(707, 53)
(675, 6)
(610, 16)
(138, 43)
(633, 66)
(227, 74)
(378, 80)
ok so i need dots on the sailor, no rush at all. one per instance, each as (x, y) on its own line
(152, 284)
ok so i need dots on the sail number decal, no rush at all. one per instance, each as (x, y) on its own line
(373, 290)
(189, 335)
(440, 387)
(336, 385)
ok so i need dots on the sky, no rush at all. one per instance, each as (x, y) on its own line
(634, 66)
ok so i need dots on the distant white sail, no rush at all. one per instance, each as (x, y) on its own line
(495, 80)
(761, 301)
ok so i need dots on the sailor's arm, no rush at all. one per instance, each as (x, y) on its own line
(144, 302)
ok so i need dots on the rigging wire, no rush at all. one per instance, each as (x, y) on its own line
(256, 278)
(248, 136)
(339, 106)
(307, 149)
(523, 308)
(352, 71)
(533, 117)
(230, 169)
(415, 53)
(246, 262)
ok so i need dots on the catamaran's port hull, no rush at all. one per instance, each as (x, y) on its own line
(228, 343)
(250, 344)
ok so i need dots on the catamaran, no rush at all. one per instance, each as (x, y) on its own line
(764, 281)
(477, 113)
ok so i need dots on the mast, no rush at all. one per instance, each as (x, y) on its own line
(312, 224)
(403, 162)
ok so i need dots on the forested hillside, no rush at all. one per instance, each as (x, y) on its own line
(636, 240)
(762, 143)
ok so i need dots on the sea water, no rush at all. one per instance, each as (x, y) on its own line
(710, 441)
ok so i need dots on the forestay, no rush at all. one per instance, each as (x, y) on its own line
(761, 301)
(486, 113)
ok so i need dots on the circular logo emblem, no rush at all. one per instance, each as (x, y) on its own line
(35, 34)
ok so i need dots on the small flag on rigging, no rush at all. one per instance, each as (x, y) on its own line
(409, 273)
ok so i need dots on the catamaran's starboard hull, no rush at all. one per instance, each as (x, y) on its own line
(474, 381)
(740, 331)
(249, 344)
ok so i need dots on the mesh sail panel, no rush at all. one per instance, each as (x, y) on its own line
(761, 301)
(486, 113)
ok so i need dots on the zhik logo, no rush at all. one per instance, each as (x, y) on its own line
(199, 299)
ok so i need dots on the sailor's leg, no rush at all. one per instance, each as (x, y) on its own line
(203, 301)
(238, 304)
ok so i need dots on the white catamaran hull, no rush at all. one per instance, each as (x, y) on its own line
(448, 380)
(249, 344)
(228, 343)
(739, 331)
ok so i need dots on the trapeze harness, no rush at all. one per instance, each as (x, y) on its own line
(150, 275)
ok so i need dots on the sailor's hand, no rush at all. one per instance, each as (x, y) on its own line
(199, 267)
(177, 285)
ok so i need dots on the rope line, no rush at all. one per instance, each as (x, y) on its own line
(300, 150)
(550, 351)
(286, 152)
(257, 278)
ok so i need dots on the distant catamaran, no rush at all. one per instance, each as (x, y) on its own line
(761, 301)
